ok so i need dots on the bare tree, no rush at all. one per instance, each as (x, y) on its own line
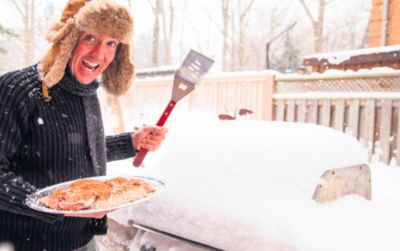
(6, 32)
(317, 23)
(352, 23)
(225, 25)
(156, 30)
(235, 14)
(242, 27)
(274, 22)
(164, 21)
(168, 31)
(232, 36)
(27, 13)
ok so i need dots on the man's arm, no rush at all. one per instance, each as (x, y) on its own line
(13, 189)
(126, 145)
(13, 192)
(120, 147)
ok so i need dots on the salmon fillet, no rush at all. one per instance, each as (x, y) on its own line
(95, 194)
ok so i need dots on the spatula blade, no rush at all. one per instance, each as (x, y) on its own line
(194, 67)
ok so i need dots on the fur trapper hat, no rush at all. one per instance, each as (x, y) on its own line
(95, 16)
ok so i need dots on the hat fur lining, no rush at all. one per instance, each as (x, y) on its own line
(52, 67)
(107, 19)
(117, 78)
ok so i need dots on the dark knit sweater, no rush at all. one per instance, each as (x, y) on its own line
(44, 143)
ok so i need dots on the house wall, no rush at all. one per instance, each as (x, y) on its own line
(393, 26)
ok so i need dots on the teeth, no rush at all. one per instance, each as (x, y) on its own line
(89, 65)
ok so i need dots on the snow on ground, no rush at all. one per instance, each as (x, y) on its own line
(247, 185)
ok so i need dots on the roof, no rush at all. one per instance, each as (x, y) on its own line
(351, 57)
(166, 70)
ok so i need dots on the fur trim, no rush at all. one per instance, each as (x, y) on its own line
(52, 67)
(118, 76)
(102, 17)
(72, 7)
(98, 17)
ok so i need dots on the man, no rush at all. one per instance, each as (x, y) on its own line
(51, 127)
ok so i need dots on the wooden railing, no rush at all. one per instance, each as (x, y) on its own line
(363, 105)
(222, 94)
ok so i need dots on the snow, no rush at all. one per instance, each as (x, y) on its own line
(338, 95)
(217, 75)
(333, 73)
(214, 75)
(158, 68)
(341, 56)
(40, 121)
(247, 185)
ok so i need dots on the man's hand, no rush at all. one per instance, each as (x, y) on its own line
(149, 137)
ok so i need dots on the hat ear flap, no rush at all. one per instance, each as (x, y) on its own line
(118, 76)
(52, 66)
(59, 30)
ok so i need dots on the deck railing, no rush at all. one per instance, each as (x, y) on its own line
(365, 105)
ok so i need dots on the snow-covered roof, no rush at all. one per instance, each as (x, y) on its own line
(365, 55)
(165, 70)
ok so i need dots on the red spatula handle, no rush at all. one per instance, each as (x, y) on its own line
(161, 121)
(166, 113)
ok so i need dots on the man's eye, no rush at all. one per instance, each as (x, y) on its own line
(90, 38)
(113, 44)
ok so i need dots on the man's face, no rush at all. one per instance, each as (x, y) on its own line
(91, 56)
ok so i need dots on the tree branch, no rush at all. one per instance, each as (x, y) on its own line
(14, 2)
(307, 11)
(7, 32)
(328, 2)
(288, 28)
(244, 13)
(152, 7)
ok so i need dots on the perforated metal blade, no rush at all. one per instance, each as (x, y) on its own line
(190, 73)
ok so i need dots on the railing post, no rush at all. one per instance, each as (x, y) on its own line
(269, 103)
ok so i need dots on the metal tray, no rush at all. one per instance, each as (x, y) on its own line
(32, 200)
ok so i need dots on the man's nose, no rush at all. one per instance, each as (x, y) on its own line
(98, 51)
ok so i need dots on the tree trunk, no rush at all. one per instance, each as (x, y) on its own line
(225, 49)
(171, 29)
(29, 31)
(232, 37)
(167, 31)
(317, 24)
(156, 32)
(242, 30)
(319, 40)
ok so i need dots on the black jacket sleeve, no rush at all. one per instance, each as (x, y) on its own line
(119, 147)
(13, 189)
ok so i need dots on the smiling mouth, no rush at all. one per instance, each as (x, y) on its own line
(90, 66)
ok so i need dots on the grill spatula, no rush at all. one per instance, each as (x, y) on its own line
(190, 73)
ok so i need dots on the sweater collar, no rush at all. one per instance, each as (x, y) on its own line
(70, 84)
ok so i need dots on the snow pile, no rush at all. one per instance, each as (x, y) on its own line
(339, 57)
(247, 185)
